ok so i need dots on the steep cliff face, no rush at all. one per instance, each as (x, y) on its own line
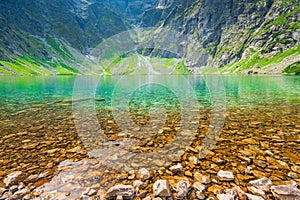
(51, 36)
(231, 36)
(147, 13)
(243, 35)
(81, 23)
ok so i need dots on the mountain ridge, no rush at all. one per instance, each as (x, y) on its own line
(231, 36)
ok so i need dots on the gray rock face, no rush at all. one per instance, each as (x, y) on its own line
(145, 13)
(286, 192)
(81, 23)
(120, 190)
(225, 29)
(161, 188)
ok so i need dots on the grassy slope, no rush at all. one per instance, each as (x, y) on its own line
(31, 65)
(135, 64)
(258, 63)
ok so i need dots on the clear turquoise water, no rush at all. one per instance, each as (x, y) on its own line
(26, 89)
(38, 131)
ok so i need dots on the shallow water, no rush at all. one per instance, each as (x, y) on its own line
(95, 131)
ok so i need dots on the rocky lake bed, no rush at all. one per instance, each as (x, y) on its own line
(255, 157)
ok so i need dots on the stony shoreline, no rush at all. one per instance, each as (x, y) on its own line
(259, 189)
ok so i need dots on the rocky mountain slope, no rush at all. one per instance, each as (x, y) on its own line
(245, 36)
(52, 36)
(228, 36)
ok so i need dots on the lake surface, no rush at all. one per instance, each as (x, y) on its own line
(97, 131)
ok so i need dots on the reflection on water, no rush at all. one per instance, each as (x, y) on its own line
(95, 132)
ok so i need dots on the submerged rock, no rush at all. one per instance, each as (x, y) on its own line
(182, 189)
(194, 160)
(13, 188)
(2, 191)
(263, 184)
(176, 168)
(32, 178)
(12, 178)
(20, 194)
(253, 197)
(256, 191)
(202, 178)
(286, 192)
(6, 195)
(121, 190)
(225, 175)
(226, 197)
(144, 174)
(240, 193)
(139, 184)
(161, 188)
(199, 187)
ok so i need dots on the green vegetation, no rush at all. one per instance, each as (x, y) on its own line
(139, 64)
(74, 71)
(33, 66)
(283, 19)
(295, 25)
(63, 71)
(60, 48)
(51, 41)
(257, 62)
(293, 69)
(4, 71)
(181, 69)
(221, 50)
(18, 68)
(285, 41)
(209, 70)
